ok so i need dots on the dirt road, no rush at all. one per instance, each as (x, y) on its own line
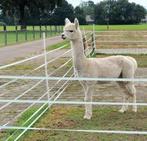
(10, 53)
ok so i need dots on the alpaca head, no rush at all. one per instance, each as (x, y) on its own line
(71, 30)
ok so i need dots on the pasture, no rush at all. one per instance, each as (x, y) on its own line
(116, 27)
(71, 116)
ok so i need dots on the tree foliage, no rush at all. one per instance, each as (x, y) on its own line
(66, 10)
(36, 12)
(88, 7)
(79, 13)
(118, 12)
(23, 10)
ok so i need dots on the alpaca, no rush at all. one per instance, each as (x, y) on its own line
(108, 67)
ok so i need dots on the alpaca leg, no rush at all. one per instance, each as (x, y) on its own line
(84, 86)
(125, 98)
(132, 91)
(88, 107)
(124, 107)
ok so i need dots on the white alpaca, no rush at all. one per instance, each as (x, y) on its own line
(108, 67)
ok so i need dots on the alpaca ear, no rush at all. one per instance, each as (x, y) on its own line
(67, 21)
(76, 23)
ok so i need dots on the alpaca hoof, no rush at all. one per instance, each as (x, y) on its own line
(134, 110)
(87, 117)
(122, 111)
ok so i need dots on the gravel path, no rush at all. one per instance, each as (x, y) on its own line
(10, 53)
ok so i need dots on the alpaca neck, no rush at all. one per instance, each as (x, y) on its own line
(79, 58)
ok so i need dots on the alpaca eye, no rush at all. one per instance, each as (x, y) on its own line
(71, 31)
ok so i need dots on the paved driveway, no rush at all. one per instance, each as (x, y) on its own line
(10, 53)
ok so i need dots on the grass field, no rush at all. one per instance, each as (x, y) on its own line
(104, 118)
(115, 27)
(12, 28)
(88, 27)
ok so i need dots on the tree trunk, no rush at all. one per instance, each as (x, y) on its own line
(22, 17)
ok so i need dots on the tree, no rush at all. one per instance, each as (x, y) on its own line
(21, 8)
(118, 12)
(88, 8)
(79, 13)
(66, 10)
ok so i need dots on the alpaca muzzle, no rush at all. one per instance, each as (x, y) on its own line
(63, 36)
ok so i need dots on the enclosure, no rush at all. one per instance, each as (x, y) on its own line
(42, 100)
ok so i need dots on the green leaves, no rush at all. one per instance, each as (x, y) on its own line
(119, 12)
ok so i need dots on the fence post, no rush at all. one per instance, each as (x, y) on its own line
(16, 30)
(46, 31)
(33, 33)
(5, 31)
(46, 65)
(55, 29)
(51, 30)
(93, 40)
(26, 35)
(40, 30)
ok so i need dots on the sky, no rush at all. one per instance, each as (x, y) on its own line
(77, 2)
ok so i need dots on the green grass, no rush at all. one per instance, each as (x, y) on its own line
(62, 43)
(88, 27)
(104, 118)
(116, 27)
(12, 28)
(12, 134)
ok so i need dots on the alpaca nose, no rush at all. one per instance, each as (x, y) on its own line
(63, 36)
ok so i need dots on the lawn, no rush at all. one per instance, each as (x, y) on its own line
(71, 117)
(12, 28)
(88, 27)
(62, 43)
(115, 27)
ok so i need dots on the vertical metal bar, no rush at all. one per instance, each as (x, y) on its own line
(46, 68)
(26, 34)
(5, 31)
(40, 31)
(33, 33)
(46, 30)
(94, 40)
(16, 31)
(50, 30)
(55, 29)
